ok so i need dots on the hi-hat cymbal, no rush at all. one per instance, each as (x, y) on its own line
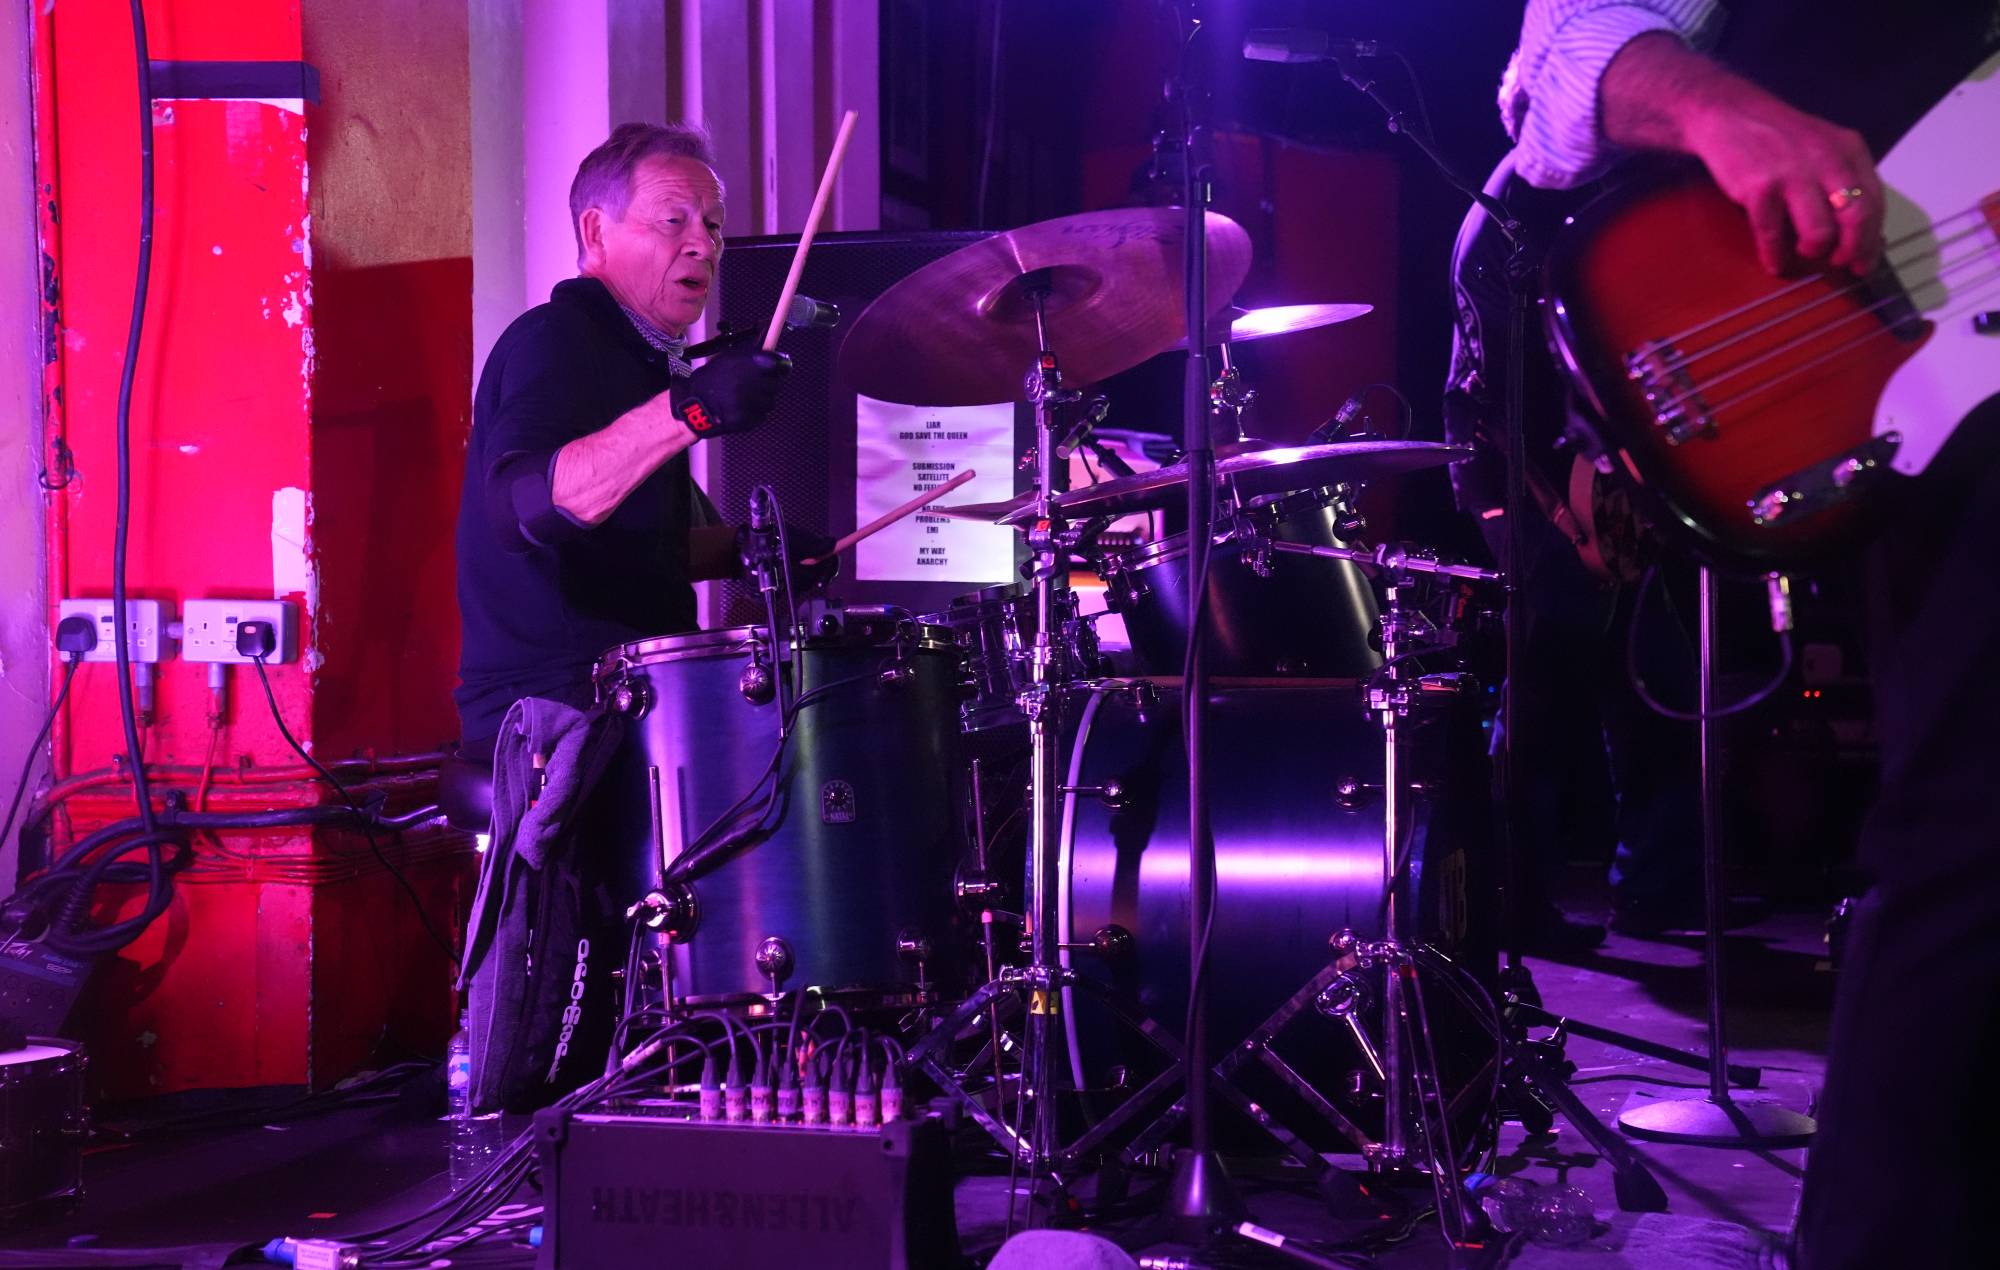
(961, 330)
(1246, 325)
(1250, 475)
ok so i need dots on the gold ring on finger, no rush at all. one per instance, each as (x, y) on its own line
(1842, 199)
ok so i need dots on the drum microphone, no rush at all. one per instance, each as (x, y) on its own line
(1294, 45)
(804, 314)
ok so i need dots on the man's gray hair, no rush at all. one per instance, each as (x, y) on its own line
(604, 178)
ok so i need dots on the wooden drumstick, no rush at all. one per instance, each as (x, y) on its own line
(820, 201)
(889, 518)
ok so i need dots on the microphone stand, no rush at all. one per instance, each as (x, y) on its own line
(1200, 1200)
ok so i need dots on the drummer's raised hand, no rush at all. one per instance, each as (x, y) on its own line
(731, 392)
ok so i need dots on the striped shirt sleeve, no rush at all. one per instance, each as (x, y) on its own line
(1549, 96)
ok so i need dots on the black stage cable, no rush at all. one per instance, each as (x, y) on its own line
(28, 767)
(1638, 681)
(367, 828)
(121, 532)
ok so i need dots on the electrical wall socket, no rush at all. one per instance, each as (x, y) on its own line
(208, 628)
(144, 624)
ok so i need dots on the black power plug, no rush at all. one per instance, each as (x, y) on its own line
(76, 635)
(257, 640)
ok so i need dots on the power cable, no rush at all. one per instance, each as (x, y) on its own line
(35, 749)
(367, 827)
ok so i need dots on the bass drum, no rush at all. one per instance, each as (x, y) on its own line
(1295, 777)
(850, 891)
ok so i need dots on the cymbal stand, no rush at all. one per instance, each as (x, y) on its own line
(1533, 1069)
(1032, 1143)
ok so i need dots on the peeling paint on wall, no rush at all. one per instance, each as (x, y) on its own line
(291, 546)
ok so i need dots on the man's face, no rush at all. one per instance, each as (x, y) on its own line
(659, 258)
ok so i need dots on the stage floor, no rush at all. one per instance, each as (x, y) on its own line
(353, 1168)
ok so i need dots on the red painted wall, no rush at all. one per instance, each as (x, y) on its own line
(308, 331)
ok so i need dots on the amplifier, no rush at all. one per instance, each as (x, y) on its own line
(636, 1190)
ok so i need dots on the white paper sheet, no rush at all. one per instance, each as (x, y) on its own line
(901, 451)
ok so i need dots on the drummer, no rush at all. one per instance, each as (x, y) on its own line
(580, 526)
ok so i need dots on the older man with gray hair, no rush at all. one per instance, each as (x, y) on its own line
(580, 526)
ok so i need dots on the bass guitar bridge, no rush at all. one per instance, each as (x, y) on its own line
(1678, 408)
(1825, 484)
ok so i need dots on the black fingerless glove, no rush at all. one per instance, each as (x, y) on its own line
(731, 392)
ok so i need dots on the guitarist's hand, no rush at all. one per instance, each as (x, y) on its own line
(1786, 168)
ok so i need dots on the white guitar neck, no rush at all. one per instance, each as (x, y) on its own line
(1948, 262)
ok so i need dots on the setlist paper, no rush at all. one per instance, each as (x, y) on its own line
(902, 451)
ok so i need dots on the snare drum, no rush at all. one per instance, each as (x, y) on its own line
(1270, 613)
(851, 890)
(42, 1127)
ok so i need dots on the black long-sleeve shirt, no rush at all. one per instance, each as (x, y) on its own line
(541, 595)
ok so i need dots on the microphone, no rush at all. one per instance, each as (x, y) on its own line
(760, 544)
(1294, 45)
(805, 314)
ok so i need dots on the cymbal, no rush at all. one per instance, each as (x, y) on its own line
(961, 330)
(988, 512)
(1246, 325)
(1253, 474)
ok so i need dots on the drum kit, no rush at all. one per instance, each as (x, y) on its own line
(873, 866)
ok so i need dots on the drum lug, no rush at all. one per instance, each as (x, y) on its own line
(1351, 793)
(898, 675)
(1112, 942)
(774, 961)
(674, 912)
(630, 696)
(1110, 793)
(757, 684)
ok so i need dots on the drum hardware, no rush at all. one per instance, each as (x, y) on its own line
(672, 912)
(975, 888)
(774, 961)
(1110, 793)
(757, 684)
(1113, 943)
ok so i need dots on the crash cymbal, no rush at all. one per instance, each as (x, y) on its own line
(1246, 325)
(961, 330)
(1251, 475)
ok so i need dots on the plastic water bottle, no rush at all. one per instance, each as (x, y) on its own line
(1556, 1215)
(474, 1140)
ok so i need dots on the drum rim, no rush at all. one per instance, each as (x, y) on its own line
(724, 641)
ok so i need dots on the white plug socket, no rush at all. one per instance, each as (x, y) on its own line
(208, 629)
(145, 625)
